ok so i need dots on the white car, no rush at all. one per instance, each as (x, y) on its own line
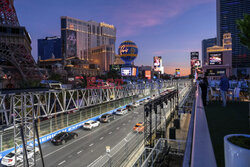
(121, 111)
(91, 124)
(135, 104)
(9, 159)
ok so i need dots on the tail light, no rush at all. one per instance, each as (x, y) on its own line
(10, 160)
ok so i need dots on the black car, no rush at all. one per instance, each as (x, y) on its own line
(63, 137)
(107, 118)
(130, 107)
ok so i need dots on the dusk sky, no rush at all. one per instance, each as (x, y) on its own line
(167, 28)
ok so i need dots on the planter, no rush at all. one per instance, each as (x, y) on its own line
(236, 155)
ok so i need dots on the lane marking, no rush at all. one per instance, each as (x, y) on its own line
(129, 120)
(92, 163)
(118, 128)
(110, 133)
(79, 152)
(61, 163)
(123, 124)
(78, 139)
(91, 144)
(101, 138)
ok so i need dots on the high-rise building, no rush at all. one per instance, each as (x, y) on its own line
(78, 37)
(228, 12)
(49, 48)
(206, 43)
(219, 59)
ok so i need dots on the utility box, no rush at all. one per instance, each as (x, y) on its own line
(177, 123)
(172, 133)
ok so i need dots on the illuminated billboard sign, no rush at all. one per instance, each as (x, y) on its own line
(126, 71)
(148, 74)
(158, 64)
(215, 58)
(134, 71)
(194, 55)
(71, 43)
(177, 72)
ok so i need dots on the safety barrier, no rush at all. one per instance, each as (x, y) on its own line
(48, 137)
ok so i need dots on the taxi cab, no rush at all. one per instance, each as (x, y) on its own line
(139, 127)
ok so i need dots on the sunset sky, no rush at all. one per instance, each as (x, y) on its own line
(167, 28)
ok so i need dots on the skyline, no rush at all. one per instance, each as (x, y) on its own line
(172, 31)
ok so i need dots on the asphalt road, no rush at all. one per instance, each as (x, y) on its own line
(90, 145)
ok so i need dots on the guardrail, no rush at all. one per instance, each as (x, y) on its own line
(202, 153)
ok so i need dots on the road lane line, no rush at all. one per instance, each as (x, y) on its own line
(110, 133)
(61, 163)
(123, 124)
(129, 120)
(79, 152)
(101, 138)
(91, 144)
(95, 161)
(78, 139)
(118, 128)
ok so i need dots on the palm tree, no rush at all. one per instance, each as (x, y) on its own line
(244, 27)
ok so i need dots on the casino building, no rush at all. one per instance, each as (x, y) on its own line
(219, 59)
(88, 41)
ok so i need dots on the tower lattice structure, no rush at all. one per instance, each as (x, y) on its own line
(15, 45)
(8, 13)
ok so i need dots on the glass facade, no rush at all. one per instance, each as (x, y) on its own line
(50, 47)
(228, 12)
(206, 43)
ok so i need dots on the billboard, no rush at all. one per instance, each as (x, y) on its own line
(71, 43)
(134, 71)
(158, 63)
(194, 55)
(216, 72)
(126, 71)
(215, 58)
(177, 72)
(148, 74)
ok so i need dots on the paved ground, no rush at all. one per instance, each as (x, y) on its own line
(232, 119)
(90, 144)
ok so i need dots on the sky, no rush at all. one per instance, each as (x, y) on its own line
(167, 28)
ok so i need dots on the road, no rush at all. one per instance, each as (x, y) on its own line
(90, 145)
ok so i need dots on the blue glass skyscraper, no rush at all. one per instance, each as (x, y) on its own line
(228, 12)
(50, 47)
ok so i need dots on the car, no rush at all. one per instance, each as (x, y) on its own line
(121, 111)
(9, 159)
(142, 102)
(129, 107)
(107, 118)
(135, 104)
(63, 137)
(91, 124)
(139, 127)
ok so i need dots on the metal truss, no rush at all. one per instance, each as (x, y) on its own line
(22, 109)
(8, 13)
(153, 127)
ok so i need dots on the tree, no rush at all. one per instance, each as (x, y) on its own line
(244, 27)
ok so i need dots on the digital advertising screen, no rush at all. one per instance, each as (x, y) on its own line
(148, 74)
(215, 58)
(157, 63)
(71, 43)
(126, 71)
(194, 55)
(134, 71)
(197, 63)
(178, 71)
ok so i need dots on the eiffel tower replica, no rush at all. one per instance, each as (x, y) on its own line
(15, 46)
